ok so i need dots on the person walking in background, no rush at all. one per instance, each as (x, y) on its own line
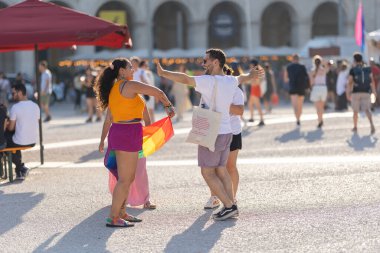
(78, 92)
(254, 99)
(360, 85)
(91, 102)
(318, 93)
(271, 87)
(297, 77)
(341, 86)
(375, 69)
(4, 89)
(148, 75)
(46, 88)
(22, 127)
(181, 96)
(331, 79)
(213, 163)
(125, 107)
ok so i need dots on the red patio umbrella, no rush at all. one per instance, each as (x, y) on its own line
(36, 25)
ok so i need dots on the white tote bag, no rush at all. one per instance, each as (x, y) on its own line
(205, 124)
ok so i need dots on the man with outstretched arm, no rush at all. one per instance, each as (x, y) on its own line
(213, 164)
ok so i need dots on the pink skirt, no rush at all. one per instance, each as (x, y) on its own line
(139, 189)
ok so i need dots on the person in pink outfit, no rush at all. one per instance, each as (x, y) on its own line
(139, 189)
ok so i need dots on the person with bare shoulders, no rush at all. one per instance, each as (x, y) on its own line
(117, 93)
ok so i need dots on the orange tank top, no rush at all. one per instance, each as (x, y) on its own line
(122, 108)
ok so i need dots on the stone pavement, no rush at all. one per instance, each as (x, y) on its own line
(301, 190)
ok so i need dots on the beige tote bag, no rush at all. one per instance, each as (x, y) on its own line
(205, 124)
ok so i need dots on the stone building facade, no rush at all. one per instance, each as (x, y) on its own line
(191, 24)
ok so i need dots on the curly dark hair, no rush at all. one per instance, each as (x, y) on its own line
(105, 80)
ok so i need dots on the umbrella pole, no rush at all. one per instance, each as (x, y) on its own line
(38, 85)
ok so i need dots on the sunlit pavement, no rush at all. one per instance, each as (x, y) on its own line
(302, 190)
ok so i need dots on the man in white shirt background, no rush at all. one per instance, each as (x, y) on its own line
(22, 127)
(46, 88)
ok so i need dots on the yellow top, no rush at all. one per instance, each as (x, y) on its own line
(122, 108)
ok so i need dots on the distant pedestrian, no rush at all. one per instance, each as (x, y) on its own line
(180, 92)
(318, 93)
(4, 89)
(331, 79)
(360, 85)
(254, 99)
(125, 107)
(213, 163)
(46, 89)
(298, 79)
(375, 69)
(150, 101)
(271, 87)
(92, 105)
(341, 86)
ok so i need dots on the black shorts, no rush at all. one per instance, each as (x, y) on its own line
(298, 92)
(236, 142)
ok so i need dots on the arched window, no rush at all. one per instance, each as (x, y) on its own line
(7, 60)
(170, 26)
(225, 26)
(54, 55)
(325, 20)
(276, 25)
(116, 12)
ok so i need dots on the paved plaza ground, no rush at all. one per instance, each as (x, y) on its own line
(302, 190)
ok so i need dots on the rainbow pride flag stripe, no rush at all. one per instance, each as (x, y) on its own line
(154, 137)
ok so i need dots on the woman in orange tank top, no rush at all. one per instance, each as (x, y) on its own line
(125, 107)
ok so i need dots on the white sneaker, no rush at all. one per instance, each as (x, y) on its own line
(212, 203)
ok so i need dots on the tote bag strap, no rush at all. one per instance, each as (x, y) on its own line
(213, 97)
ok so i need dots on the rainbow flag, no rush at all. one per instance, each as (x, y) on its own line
(154, 137)
(360, 28)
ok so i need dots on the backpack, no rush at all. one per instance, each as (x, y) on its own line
(362, 79)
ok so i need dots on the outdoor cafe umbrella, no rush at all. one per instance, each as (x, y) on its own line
(36, 25)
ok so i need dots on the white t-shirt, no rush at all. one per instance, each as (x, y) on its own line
(226, 90)
(342, 82)
(139, 74)
(26, 114)
(46, 75)
(238, 99)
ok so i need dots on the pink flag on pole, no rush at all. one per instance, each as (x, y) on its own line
(359, 27)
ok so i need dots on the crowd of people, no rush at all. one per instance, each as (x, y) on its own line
(125, 95)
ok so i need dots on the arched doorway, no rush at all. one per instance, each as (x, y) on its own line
(325, 20)
(276, 25)
(7, 60)
(54, 55)
(225, 24)
(170, 26)
(115, 12)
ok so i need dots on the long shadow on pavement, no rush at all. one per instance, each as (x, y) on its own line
(15, 205)
(94, 155)
(361, 143)
(90, 235)
(290, 136)
(313, 136)
(198, 239)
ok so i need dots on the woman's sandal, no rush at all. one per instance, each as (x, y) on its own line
(118, 222)
(149, 205)
(130, 218)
